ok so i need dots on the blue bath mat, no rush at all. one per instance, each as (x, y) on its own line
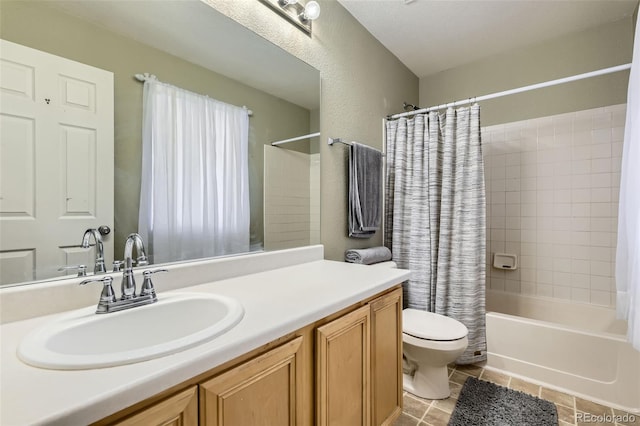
(484, 403)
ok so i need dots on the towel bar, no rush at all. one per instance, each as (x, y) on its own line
(332, 141)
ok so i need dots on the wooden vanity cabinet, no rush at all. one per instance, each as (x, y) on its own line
(386, 358)
(358, 365)
(180, 409)
(342, 370)
(265, 391)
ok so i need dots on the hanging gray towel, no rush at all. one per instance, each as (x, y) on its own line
(365, 184)
(368, 256)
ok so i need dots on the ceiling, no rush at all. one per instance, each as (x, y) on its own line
(430, 36)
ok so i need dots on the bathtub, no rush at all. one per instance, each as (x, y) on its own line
(576, 348)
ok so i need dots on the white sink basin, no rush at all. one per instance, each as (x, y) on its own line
(84, 340)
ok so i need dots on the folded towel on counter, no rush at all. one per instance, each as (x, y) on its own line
(368, 256)
(365, 184)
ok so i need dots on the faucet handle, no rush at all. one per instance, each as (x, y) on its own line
(147, 286)
(107, 295)
(117, 265)
(82, 269)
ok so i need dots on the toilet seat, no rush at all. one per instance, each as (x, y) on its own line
(430, 326)
(436, 345)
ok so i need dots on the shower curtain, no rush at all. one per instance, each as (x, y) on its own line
(435, 216)
(194, 198)
(628, 248)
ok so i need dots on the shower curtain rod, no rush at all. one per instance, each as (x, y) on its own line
(146, 76)
(298, 138)
(514, 91)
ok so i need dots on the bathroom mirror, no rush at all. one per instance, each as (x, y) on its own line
(187, 44)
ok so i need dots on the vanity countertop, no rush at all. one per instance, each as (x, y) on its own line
(276, 302)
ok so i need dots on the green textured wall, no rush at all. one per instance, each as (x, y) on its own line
(362, 82)
(577, 53)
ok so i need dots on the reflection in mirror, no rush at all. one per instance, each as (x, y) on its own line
(98, 158)
(292, 197)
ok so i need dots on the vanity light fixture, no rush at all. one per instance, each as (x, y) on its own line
(311, 12)
(299, 15)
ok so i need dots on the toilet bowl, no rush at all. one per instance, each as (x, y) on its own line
(430, 342)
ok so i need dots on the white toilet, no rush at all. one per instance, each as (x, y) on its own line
(430, 342)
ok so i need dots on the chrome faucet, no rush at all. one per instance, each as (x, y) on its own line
(99, 267)
(128, 281)
(128, 299)
(108, 302)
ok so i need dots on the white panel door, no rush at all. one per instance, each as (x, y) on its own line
(56, 162)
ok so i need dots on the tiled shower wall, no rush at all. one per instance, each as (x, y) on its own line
(314, 183)
(552, 198)
(292, 198)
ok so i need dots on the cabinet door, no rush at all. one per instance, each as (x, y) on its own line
(386, 357)
(178, 410)
(343, 370)
(266, 390)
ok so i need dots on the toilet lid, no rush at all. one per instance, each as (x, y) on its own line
(427, 325)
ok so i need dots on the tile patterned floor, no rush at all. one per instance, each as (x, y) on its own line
(571, 410)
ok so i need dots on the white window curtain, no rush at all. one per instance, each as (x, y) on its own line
(194, 197)
(628, 248)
